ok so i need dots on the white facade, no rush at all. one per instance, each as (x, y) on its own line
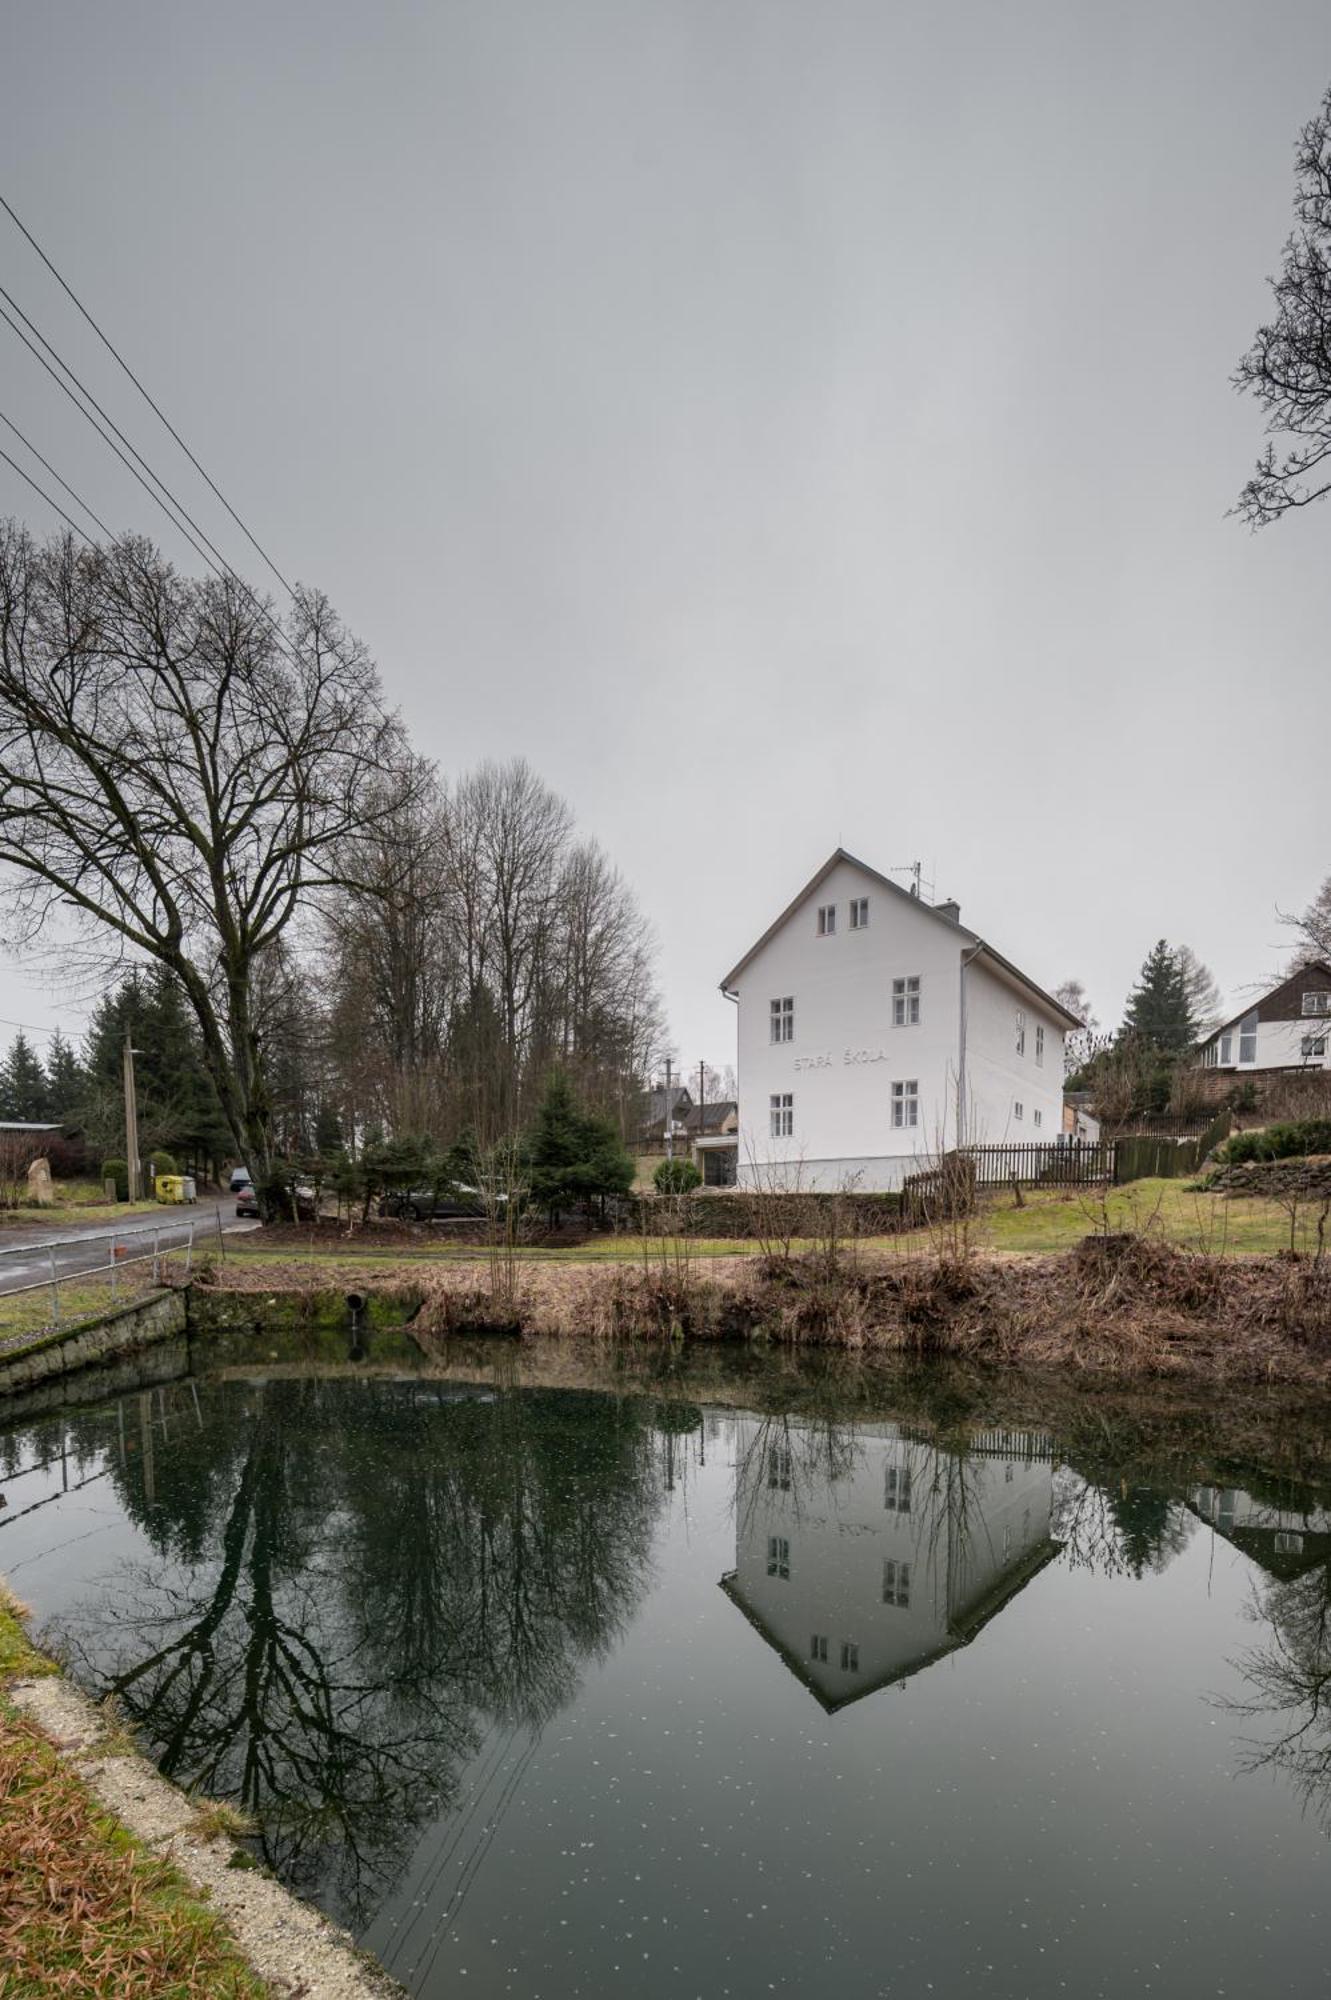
(873, 1040)
(864, 1570)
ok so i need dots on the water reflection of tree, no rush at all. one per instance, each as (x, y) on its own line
(379, 1573)
(1116, 1528)
(1288, 1678)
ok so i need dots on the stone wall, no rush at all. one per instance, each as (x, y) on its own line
(1271, 1179)
(142, 1323)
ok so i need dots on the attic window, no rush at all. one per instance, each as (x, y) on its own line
(827, 920)
(1317, 1001)
(859, 913)
(1248, 1039)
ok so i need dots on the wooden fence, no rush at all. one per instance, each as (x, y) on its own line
(1079, 1163)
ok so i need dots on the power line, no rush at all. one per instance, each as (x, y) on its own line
(76, 497)
(47, 498)
(96, 426)
(155, 407)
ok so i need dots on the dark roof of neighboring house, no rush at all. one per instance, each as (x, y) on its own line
(939, 911)
(710, 1117)
(1316, 974)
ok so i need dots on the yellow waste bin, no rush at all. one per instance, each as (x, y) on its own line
(171, 1187)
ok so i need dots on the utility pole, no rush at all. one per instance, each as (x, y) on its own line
(669, 1122)
(702, 1097)
(131, 1121)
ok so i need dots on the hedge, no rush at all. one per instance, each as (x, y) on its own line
(1280, 1142)
(740, 1214)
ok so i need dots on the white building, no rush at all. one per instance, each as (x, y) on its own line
(1288, 1028)
(876, 1032)
(864, 1557)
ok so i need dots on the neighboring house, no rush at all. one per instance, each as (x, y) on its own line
(1285, 1541)
(861, 1574)
(713, 1136)
(1288, 1028)
(876, 1031)
(652, 1131)
(1079, 1122)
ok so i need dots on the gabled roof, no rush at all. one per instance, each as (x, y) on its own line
(1317, 965)
(963, 1627)
(981, 948)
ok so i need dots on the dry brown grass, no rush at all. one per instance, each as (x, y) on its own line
(1120, 1305)
(84, 1910)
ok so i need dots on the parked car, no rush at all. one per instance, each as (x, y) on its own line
(241, 1178)
(432, 1204)
(247, 1202)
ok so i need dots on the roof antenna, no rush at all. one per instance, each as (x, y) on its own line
(915, 870)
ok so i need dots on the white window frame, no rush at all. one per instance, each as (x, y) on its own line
(1317, 1003)
(896, 1583)
(906, 1001)
(1037, 1116)
(781, 1109)
(896, 1489)
(781, 1015)
(1314, 1048)
(1021, 1031)
(827, 920)
(850, 1656)
(1039, 1044)
(859, 913)
(906, 1100)
(1018, 1109)
(778, 1557)
(818, 1647)
(1227, 1049)
(1248, 1036)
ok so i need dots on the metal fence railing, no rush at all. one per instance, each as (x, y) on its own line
(161, 1241)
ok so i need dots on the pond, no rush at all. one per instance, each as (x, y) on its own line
(717, 1678)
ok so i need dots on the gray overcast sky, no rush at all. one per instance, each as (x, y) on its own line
(783, 423)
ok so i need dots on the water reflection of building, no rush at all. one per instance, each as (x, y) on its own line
(863, 1555)
(1284, 1540)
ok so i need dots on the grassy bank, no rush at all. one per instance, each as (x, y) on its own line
(1115, 1305)
(86, 1910)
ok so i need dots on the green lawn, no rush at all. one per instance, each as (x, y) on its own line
(1057, 1218)
(76, 1201)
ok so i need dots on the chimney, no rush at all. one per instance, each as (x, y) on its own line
(950, 910)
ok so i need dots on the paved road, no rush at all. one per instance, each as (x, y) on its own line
(25, 1258)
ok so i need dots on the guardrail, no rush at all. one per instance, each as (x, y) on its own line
(120, 1256)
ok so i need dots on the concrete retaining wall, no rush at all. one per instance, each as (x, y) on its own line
(143, 1323)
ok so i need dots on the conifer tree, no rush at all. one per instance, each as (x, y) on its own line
(1159, 1008)
(65, 1078)
(24, 1091)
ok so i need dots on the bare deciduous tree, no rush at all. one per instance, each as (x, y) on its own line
(179, 774)
(1288, 366)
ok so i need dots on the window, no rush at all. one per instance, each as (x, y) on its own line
(896, 1583)
(1038, 1117)
(783, 1115)
(1318, 1002)
(1288, 1543)
(778, 1557)
(778, 1467)
(896, 1489)
(818, 1646)
(1248, 1039)
(783, 1019)
(1018, 1108)
(1314, 1048)
(850, 1657)
(1021, 1031)
(1226, 1051)
(905, 1104)
(859, 913)
(1039, 1043)
(906, 1002)
(1009, 1473)
(827, 920)
(1007, 1543)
